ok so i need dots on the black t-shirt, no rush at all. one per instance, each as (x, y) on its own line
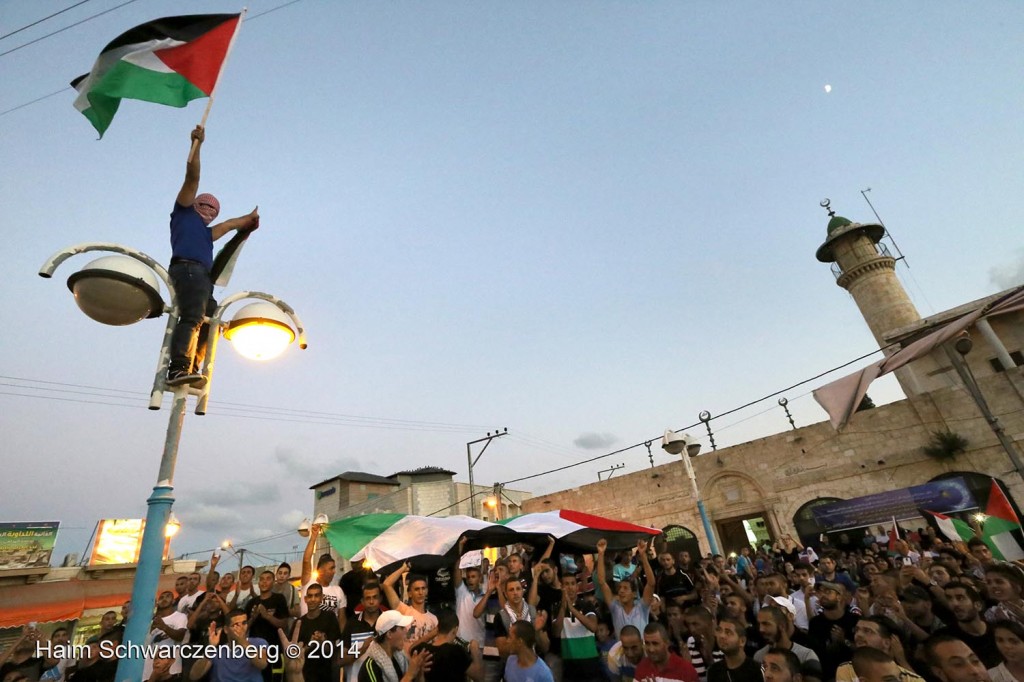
(441, 588)
(676, 585)
(319, 656)
(276, 606)
(819, 636)
(101, 671)
(749, 671)
(356, 631)
(450, 662)
(984, 645)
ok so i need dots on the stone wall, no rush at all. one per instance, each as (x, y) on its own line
(880, 450)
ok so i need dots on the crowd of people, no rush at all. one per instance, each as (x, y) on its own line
(877, 609)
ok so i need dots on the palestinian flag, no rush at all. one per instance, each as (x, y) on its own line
(169, 61)
(999, 524)
(954, 529)
(384, 539)
(578, 530)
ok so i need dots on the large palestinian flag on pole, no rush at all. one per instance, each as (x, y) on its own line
(169, 61)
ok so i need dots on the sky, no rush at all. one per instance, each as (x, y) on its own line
(585, 222)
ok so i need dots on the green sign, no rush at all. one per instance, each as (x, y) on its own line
(27, 545)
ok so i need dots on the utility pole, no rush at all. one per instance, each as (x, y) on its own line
(962, 347)
(472, 463)
(497, 501)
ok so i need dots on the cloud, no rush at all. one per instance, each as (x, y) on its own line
(291, 519)
(239, 493)
(595, 441)
(211, 517)
(1009, 274)
(310, 470)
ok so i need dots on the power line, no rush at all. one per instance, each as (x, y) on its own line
(723, 414)
(37, 99)
(240, 410)
(61, 30)
(39, 21)
(40, 99)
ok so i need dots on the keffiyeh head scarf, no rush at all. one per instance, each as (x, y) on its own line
(207, 207)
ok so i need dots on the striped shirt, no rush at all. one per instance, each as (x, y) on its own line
(697, 658)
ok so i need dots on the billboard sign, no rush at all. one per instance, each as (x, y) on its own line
(119, 541)
(27, 545)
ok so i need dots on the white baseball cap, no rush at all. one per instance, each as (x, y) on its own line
(389, 620)
(782, 602)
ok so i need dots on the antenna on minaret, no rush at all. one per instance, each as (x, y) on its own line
(899, 252)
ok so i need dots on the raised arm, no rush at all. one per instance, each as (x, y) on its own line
(457, 573)
(189, 188)
(389, 587)
(641, 549)
(249, 221)
(307, 555)
(606, 591)
(492, 586)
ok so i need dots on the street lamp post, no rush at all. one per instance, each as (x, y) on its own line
(686, 445)
(486, 440)
(121, 290)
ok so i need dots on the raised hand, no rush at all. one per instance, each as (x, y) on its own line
(602, 546)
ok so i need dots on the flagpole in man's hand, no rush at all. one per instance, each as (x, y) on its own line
(213, 92)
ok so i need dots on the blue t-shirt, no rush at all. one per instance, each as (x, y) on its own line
(190, 237)
(538, 672)
(227, 668)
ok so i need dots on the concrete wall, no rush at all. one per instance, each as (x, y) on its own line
(880, 450)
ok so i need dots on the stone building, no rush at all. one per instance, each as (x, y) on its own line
(427, 491)
(770, 486)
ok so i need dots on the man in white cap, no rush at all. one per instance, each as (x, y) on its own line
(384, 660)
(776, 625)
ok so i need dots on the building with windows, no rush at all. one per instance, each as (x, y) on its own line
(426, 491)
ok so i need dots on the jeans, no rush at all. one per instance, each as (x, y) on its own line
(195, 300)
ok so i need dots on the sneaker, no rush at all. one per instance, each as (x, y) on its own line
(179, 377)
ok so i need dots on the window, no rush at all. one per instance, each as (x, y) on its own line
(1016, 356)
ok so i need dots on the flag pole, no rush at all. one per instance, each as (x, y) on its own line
(213, 92)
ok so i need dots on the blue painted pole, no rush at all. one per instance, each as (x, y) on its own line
(707, 527)
(151, 555)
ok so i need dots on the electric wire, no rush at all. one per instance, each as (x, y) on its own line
(717, 416)
(70, 26)
(39, 21)
(57, 92)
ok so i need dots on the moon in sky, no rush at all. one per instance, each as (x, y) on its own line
(828, 88)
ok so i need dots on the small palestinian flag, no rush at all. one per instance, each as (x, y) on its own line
(169, 61)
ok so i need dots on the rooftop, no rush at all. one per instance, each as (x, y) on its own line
(357, 477)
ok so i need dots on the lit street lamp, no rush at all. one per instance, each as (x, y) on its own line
(121, 290)
(686, 445)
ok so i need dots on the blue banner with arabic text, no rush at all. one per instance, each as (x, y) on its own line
(948, 495)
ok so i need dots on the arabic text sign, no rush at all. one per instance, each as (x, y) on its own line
(944, 496)
(27, 545)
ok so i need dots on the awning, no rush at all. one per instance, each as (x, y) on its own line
(842, 397)
(61, 600)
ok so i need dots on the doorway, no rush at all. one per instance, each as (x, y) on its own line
(751, 530)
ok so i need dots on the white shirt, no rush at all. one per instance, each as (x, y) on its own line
(187, 601)
(470, 628)
(243, 596)
(177, 621)
(802, 619)
(334, 599)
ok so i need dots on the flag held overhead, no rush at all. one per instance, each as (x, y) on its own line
(169, 61)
